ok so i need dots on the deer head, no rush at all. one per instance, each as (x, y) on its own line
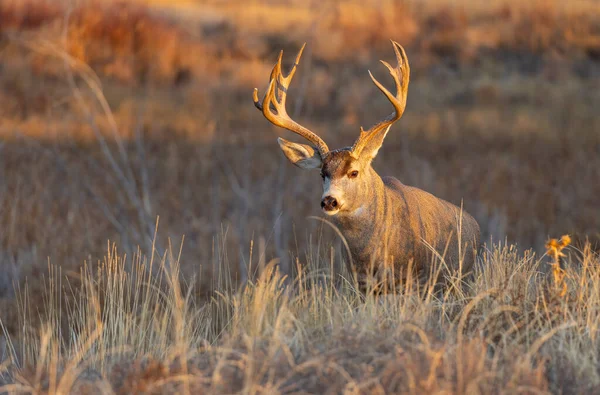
(347, 173)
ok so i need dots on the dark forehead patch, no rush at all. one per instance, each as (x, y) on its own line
(337, 163)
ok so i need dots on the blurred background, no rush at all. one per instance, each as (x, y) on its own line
(115, 113)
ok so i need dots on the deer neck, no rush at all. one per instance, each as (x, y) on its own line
(369, 230)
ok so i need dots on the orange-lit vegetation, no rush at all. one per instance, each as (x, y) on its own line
(112, 114)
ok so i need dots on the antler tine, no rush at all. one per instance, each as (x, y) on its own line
(401, 75)
(274, 99)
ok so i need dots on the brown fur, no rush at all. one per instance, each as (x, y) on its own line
(386, 224)
(399, 225)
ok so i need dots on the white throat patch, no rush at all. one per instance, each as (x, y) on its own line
(357, 211)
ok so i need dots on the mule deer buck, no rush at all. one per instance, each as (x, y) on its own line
(386, 224)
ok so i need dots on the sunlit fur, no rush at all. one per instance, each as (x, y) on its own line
(386, 223)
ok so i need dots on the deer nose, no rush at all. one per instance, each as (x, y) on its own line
(329, 203)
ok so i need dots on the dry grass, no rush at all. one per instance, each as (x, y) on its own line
(507, 330)
(112, 114)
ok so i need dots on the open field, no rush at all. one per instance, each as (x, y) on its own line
(115, 114)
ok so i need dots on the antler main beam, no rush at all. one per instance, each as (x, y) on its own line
(275, 100)
(401, 75)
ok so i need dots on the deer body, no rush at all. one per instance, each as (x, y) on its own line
(396, 226)
(385, 224)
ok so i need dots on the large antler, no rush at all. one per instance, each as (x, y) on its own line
(401, 75)
(275, 99)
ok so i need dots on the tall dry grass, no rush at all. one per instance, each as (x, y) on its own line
(132, 324)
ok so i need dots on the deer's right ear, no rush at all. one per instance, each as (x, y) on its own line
(302, 155)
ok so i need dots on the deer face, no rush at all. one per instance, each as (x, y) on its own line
(347, 174)
(342, 183)
(345, 178)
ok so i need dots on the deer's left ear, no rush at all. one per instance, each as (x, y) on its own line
(372, 148)
(302, 155)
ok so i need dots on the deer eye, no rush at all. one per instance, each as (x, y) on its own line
(353, 174)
